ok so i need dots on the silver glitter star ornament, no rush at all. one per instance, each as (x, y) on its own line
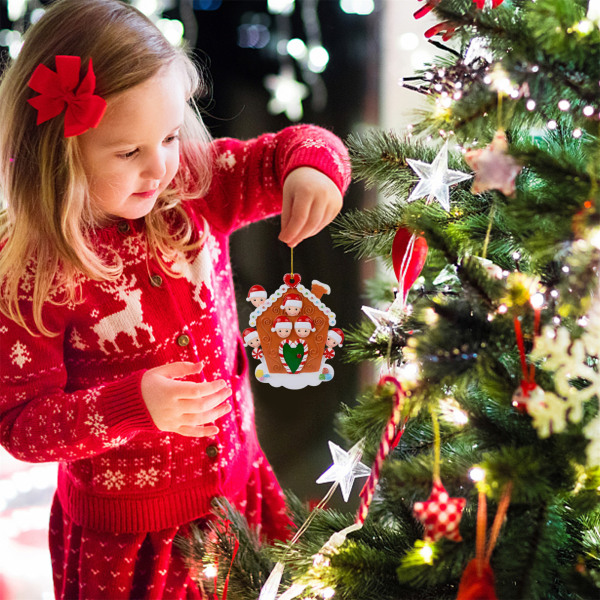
(436, 178)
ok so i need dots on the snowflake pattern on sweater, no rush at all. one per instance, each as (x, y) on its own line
(75, 397)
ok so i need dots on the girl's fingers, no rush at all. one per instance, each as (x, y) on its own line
(300, 212)
(206, 411)
(190, 390)
(313, 224)
(178, 369)
(201, 431)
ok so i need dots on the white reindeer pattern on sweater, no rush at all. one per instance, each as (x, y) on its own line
(127, 321)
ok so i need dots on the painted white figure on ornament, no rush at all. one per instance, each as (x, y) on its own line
(257, 295)
(252, 340)
(304, 326)
(282, 326)
(292, 303)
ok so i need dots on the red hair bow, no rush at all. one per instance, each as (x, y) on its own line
(84, 109)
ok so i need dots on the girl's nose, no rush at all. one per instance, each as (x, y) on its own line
(155, 166)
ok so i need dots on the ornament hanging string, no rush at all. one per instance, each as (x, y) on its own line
(521, 346)
(233, 555)
(480, 531)
(528, 373)
(498, 520)
(437, 444)
(489, 230)
(483, 551)
(405, 265)
(500, 95)
(292, 263)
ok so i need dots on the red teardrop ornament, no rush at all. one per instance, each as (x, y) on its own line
(408, 268)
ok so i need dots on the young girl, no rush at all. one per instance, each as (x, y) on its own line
(121, 357)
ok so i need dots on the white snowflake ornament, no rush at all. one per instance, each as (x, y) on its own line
(567, 358)
(548, 411)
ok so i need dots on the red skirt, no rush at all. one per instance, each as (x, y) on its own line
(90, 564)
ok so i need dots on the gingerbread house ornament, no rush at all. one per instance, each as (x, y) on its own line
(293, 335)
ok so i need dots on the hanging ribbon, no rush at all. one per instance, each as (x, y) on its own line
(528, 382)
(477, 580)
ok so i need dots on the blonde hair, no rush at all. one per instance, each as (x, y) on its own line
(48, 217)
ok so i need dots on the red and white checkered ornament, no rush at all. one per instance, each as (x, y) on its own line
(440, 514)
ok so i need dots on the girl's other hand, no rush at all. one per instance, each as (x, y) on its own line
(184, 407)
(310, 202)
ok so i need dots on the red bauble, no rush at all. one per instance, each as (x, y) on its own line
(408, 258)
(475, 584)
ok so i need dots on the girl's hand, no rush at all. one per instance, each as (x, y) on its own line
(184, 407)
(310, 202)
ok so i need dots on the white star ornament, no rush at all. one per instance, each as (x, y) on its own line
(345, 469)
(436, 178)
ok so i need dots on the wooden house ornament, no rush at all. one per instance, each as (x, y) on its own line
(292, 334)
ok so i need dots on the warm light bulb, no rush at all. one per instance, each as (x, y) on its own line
(477, 474)
(595, 237)
(537, 300)
(328, 593)
(410, 372)
(584, 27)
(210, 571)
(530, 105)
(564, 105)
(426, 553)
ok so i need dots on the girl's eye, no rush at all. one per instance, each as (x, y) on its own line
(172, 138)
(130, 154)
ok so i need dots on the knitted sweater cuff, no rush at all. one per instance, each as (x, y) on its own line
(124, 409)
(330, 158)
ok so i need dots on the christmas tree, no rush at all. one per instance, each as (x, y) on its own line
(483, 431)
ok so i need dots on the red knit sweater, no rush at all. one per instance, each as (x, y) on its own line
(75, 398)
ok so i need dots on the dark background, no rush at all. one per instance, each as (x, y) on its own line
(293, 426)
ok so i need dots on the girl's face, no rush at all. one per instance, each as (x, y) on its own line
(133, 154)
